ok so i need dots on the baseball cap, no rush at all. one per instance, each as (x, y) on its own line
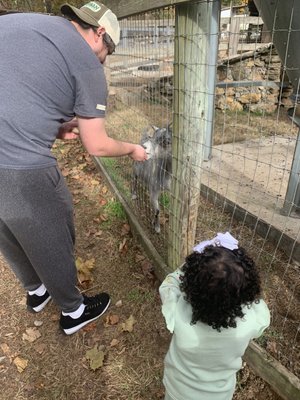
(95, 14)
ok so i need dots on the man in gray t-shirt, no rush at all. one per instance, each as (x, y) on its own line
(50, 73)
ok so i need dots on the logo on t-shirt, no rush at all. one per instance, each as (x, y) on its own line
(100, 107)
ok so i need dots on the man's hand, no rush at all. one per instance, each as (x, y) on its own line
(138, 153)
(68, 130)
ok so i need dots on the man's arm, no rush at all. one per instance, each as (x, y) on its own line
(97, 143)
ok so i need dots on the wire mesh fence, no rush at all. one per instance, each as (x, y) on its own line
(245, 117)
(140, 75)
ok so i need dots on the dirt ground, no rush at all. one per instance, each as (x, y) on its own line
(120, 356)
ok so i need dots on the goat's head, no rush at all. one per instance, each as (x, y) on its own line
(163, 136)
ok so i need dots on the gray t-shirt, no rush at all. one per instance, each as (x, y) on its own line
(48, 74)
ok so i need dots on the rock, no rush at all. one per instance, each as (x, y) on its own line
(250, 98)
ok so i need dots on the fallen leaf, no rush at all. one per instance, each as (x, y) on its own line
(84, 269)
(123, 246)
(82, 165)
(125, 229)
(39, 384)
(119, 303)
(77, 191)
(127, 326)
(148, 269)
(20, 363)
(272, 347)
(22, 302)
(38, 323)
(91, 232)
(94, 182)
(65, 173)
(103, 202)
(113, 319)
(99, 233)
(31, 335)
(40, 348)
(96, 357)
(54, 317)
(139, 258)
(5, 348)
(114, 342)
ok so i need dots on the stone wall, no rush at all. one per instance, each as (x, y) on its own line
(248, 81)
(262, 68)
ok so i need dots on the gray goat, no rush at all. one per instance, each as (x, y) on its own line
(155, 173)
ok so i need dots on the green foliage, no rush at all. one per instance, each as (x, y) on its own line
(115, 209)
(165, 200)
(138, 296)
(108, 162)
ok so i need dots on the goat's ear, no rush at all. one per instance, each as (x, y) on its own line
(155, 128)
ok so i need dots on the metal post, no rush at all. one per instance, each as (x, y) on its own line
(213, 38)
(291, 205)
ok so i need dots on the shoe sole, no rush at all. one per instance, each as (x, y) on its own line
(76, 328)
(40, 307)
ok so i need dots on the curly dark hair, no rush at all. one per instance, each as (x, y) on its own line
(217, 283)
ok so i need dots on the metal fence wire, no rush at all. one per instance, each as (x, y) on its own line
(239, 171)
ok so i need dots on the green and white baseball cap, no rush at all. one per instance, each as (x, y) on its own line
(96, 14)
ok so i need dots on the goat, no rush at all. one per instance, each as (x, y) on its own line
(155, 173)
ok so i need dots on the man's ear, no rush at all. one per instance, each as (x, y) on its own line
(101, 31)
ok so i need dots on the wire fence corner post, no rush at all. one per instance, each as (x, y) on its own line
(193, 22)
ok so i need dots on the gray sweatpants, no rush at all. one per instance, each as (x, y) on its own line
(37, 232)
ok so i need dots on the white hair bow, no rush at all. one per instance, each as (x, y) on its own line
(222, 239)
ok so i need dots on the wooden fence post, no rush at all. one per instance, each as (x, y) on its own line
(234, 35)
(192, 23)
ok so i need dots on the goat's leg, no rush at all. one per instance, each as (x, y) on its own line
(154, 199)
(133, 187)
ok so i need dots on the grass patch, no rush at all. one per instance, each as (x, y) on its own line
(114, 209)
(138, 296)
(109, 163)
(165, 200)
(114, 170)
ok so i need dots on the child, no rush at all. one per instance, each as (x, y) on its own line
(213, 308)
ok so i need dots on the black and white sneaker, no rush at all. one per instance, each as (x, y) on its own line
(95, 306)
(36, 303)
